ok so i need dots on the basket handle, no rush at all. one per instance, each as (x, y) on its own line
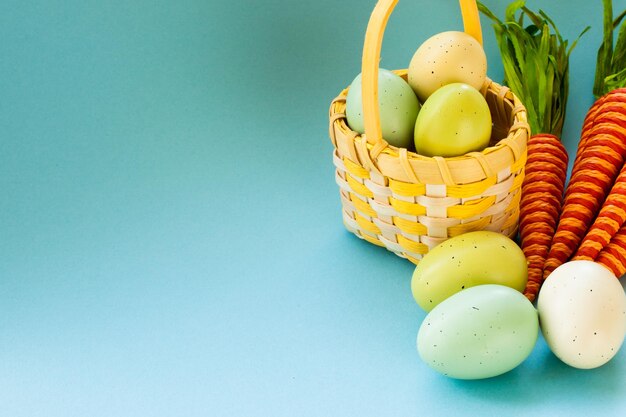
(371, 58)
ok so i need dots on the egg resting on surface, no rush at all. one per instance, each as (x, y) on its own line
(467, 260)
(480, 332)
(582, 310)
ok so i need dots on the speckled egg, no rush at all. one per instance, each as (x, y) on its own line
(480, 332)
(397, 104)
(582, 309)
(445, 58)
(468, 260)
(455, 120)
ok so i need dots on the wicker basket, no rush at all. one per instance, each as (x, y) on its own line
(407, 202)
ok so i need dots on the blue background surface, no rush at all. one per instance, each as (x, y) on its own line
(171, 239)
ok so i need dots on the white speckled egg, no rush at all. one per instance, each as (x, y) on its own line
(445, 58)
(582, 311)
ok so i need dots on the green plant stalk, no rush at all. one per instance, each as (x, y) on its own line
(611, 58)
(605, 52)
(536, 64)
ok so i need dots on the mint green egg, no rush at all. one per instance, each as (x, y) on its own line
(398, 107)
(480, 332)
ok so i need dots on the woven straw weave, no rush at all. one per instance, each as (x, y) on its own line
(409, 203)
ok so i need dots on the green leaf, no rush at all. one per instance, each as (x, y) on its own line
(541, 63)
(605, 52)
(569, 51)
(532, 30)
(618, 62)
(484, 10)
(519, 40)
(611, 59)
(512, 8)
(532, 16)
(549, 94)
(551, 24)
(615, 81)
(618, 19)
(535, 59)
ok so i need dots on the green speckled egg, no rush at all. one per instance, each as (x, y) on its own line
(398, 106)
(467, 260)
(480, 332)
(454, 120)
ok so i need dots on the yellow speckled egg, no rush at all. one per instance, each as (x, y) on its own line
(453, 121)
(448, 57)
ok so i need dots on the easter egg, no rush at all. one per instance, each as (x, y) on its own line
(453, 121)
(446, 58)
(582, 308)
(397, 104)
(480, 332)
(468, 260)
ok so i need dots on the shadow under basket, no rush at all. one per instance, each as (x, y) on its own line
(409, 203)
